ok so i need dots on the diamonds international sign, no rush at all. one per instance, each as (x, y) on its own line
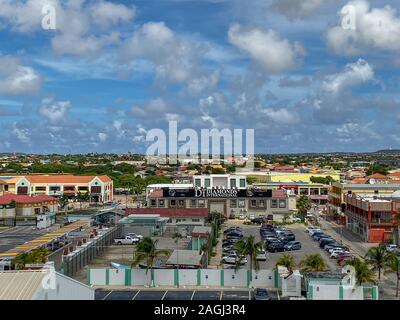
(216, 193)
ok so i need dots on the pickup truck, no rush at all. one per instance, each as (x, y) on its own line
(126, 240)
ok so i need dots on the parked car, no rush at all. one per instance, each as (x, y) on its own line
(261, 294)
(316, 230)
(335, 254)
(391, 247)
(126, 240)
(231, 259)
(318, 237)
(296, 219)
(341, 259)
(270, 217)
(276, 247)
(262, 255)
(309, 228)
(331, 245)
(292, 245)
(135, 235)
(234, 228)
(257, 220)
(241, 216)
(323, 242)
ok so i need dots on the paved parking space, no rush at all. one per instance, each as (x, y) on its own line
(150, 295)
(175, 294)
(178, 295)
(122, 295)
(207, 295)
(236, 295)
(15, 236)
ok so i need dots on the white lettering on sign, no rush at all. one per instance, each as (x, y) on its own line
(216, 193)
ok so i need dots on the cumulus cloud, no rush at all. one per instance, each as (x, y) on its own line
(281, 116)
(266, 47)
(82, 26)
(375, 29)
(173, 58)
(335, 97)
(352, 75)
(54, 111)
(102, 136)
(16, 79)
(294, 9)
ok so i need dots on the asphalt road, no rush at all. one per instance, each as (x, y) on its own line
(15, 236)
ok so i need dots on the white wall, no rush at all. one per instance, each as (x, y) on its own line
(235, 279)
(164, 277)
(187, 277)
(98, 277)
(263, 278)
(140, 278)
(325, 292)
(210, 277)
(117, 277)
(353, 294)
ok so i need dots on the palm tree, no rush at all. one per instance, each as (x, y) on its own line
(38, 255)
(303, 204)
(378, 258)
(287, 261)
(146, 250)
(313, 263)
(393, 265)
(248, 247)
(21, 260)
(363, 272)
(207, 248)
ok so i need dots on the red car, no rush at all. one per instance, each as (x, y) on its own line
(341, 259)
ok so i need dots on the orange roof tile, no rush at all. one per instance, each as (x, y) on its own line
(377, 176)
(64, 179)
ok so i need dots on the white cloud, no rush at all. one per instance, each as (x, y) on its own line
(352, 75)
(266, 47)
(54, 111)
(21, 134)
(102, 136)
(77, 22)
(375, 29)
(16, 79)
(297, 8)
(281, 116)
(173, 58)
(204, 82)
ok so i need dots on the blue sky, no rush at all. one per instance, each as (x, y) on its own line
(113, 70)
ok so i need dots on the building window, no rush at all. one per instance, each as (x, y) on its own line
(242, 183)
(195, 220)
(153, 202)
(6, 187)
(253, 203)
(207, 182)
(197, 182)
(181, 203)
(177, 220)
(282, 203)
(261, 204)
(193, 203)
(241, 203)
(161, 203)
(169, 220)
(40, 188)
(274, 203)
(233, 183)
(95, 189)
(233, 203)
(172, 203)
(22, 190)
(202, 203)
(83, 188)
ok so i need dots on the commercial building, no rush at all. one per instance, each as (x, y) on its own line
(145, 224)
(100, 188)
(317, 192)
(227, 194)
(372, 218)
(28, 210)
(338, 191)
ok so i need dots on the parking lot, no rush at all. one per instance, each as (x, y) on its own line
(15, 236)
(308, 246)
(178, 295)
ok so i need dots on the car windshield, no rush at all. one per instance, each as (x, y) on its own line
(261, 292)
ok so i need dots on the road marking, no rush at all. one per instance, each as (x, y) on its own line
(194, 291)
(162, 298)
(220, 296)
(135, 295)
(108, 295)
